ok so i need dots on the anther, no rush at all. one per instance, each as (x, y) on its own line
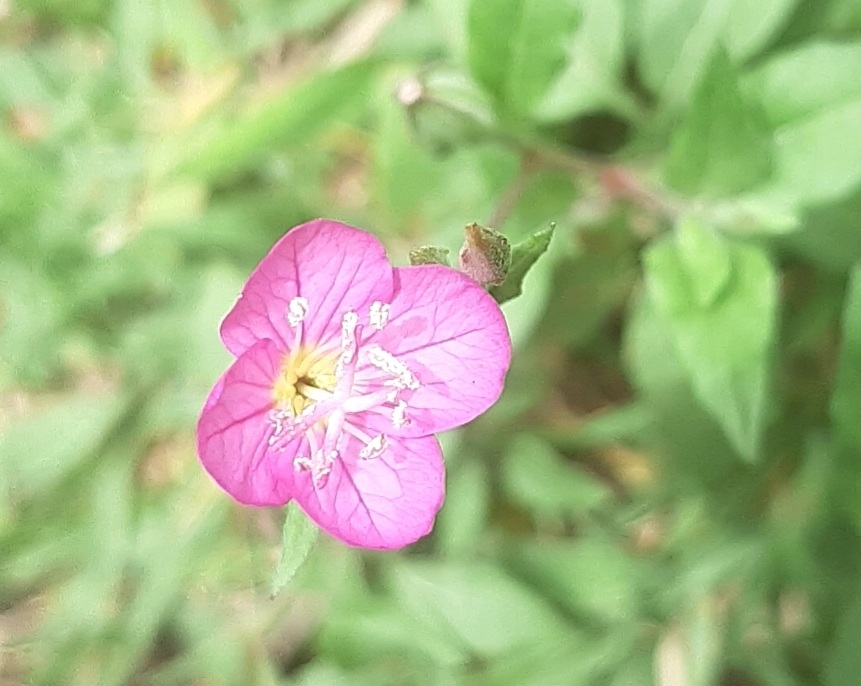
(374, 447)
(348, 342)
(379, 314)
(297, 310)
(386, 362)
(399, 415)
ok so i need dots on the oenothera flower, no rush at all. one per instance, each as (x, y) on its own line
(345, 369)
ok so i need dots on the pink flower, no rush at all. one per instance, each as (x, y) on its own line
(345, 368)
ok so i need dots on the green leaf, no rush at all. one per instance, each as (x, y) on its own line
(535, 477)
(523, 256)
(722, 145)
(591, 577)
(429, 254)
(846, 404)
(539, 46)
(798, 83)
(677, 38)
(817, 157)
(293, 117)
(460, 524)
(843, 662)
(690, 447)
(517, 47)
(706, 258)
(488, 611)
(37, 452)
(749, 27)
(724, 345)
(298, 537)
(594, 62)
(489, 45)
(363, 632)
(446, 110)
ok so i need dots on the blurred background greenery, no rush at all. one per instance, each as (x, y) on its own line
(668, 491)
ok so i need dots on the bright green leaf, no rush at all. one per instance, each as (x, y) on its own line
(726, 345)
(803, 81)
(298, 537)
(706, 257)
(722, 145)
(750, 26)
(817, 158)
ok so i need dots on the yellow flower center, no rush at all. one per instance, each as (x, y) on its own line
(304, 379)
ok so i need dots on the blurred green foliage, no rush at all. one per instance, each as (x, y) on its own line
(668, 493)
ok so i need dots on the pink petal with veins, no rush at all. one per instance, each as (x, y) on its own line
(452, 336)
(334, 266)
(234, 430)
(382, 503)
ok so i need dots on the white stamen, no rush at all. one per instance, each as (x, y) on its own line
(399, 415)
(320, 465)
(379, 314)
(374, 447)
(348, 342)
(284, 427)
(385, 361)
(297, 310)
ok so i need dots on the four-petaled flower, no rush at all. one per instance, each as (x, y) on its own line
(345, 368)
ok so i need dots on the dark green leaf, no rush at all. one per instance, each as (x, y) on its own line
(843, 663)
(846, 404)
(523, 256)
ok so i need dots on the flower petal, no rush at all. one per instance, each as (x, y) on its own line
(234, 430)
(384, 503)
(453, 337)
(334, 266)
